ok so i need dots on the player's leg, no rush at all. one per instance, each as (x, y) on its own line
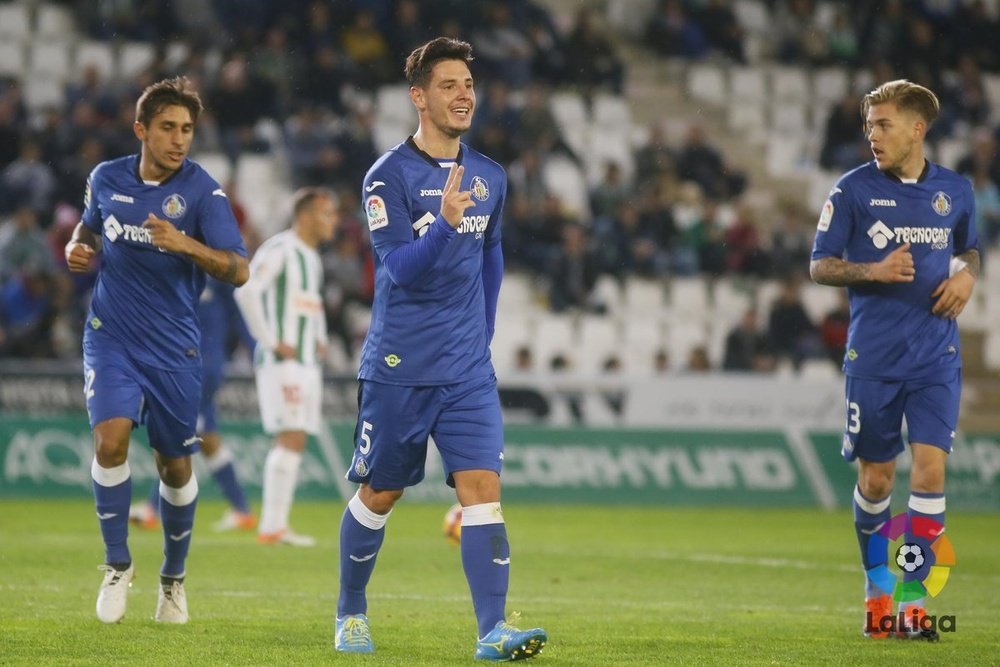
(873, 438)
(218, 457)
(114, 402)
(390, 447)
(172, 410)
(932, 416)
(290, 395)
(469, 436)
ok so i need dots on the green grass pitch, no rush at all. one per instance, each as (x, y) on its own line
(613, 586)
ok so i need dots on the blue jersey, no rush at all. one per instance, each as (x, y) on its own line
(218, 318)
(146, 298)
(432, 317)
(893, 335)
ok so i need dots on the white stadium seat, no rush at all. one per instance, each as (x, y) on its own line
(707, 83)
(790, 84)
(12, 60)
(134, 58)
(98, 54)
(55, 21)
(15, 22)
(49, 58)
(747, 84)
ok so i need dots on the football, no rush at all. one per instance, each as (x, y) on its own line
(910, 557)
(452, 526)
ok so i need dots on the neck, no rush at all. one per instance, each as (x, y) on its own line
(913, 166)
(436, 143)
(150, 171)
(305, 237)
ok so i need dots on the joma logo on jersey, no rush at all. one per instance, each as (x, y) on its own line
(473, 223)
(882, 202)
(125, 199)
(431, 193)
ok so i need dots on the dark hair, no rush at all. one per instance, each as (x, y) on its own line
(304, 198)
(169, 92)
(420, 63)
(907, 96)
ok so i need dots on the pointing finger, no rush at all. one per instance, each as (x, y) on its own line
(449, 183)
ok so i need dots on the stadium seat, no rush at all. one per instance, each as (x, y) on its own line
(564, 179)
(176, 53)
(611, 112)
(392, 104)
(644, 298)
(784, 154)
(54, 20)
(749, 120)
(747, 84)
(43, 92)
(12, 60)
(819, 369)
(829, 84)
(609, 145)
(948, 152)
(217, 165)
(752, 15)
(134, 58)
(15, 22)
(50, 59)
(608, 291)
(516, 293)
(819, 300)
(790, 118)
(707, 83)
(790, 84)
(599, 338)
(514, 330)
(555, 334)
(631, 17)
(682, 337)
(95, 53)
(688, 299)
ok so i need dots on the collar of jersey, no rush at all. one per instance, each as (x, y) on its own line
(137, 158)
(433, 160)
(920, 179)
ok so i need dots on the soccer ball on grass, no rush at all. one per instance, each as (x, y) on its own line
(452, 525)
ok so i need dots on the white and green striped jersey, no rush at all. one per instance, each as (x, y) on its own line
(282, 301)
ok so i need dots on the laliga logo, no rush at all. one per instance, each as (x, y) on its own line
(929, 556)
(880, 234)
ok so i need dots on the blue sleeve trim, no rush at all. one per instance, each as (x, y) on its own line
(410, 262)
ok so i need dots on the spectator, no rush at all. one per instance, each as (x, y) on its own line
(833, 329)
(672, 32)
(791, 334)
(747, 347)
(27, 181)
(595, 63)
(703, 164)
(575, 273)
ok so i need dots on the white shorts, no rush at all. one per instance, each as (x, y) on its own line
(290, 395)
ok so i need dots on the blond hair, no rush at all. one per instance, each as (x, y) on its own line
(907, 96)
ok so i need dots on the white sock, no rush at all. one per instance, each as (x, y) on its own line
(281, 471)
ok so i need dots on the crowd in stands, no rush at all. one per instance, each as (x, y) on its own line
(311, 68)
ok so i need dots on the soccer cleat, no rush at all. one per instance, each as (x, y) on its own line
(112, 598)
(235, 520)
(876, 609)
(353, 634)
(171, 603)
(912, 624)
(505, 642)
(287, 536)
(142, 516)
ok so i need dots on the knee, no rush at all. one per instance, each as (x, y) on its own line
(175, 473)
(876, 484)
(380, 502)
(927, 479)
(110, 449)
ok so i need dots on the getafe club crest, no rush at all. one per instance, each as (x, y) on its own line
(941, 203)
(480, 188)
(174, 206)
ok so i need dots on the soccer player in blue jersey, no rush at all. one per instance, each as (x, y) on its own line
(161, 223)
(899, 232)
(434, 208)
(219, 319)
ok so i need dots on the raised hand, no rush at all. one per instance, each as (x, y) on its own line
(455, 201)
(78, 256)
(164, 235)
(896, 267)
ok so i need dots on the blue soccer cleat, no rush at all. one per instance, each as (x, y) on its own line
(505, 642)
(353, 634)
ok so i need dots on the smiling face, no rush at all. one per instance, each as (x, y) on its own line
(896, 139)
(448, 101)
(165, 142)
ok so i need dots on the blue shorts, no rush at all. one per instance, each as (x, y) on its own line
(394, 422)
(211, 380)
(876, 408)
(165, 401)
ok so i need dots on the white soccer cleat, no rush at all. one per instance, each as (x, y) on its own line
(171, 604)
(112, 598)
(233, 520)
(287, 536)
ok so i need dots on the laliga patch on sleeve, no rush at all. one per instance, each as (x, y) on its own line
(378, 217)
(825, 216)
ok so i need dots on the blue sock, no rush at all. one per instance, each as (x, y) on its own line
(112, 495)
(224, 473)
(869, 515)
(177, 514)
(486, 561)
(922, 510)
(361, 535)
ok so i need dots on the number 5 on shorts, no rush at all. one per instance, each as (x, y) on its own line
(365, 438)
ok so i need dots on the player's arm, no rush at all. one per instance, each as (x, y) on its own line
(896, 267)
(493, 266)
(82, 247)
(955, 291)
(268, 263)
(225, 265)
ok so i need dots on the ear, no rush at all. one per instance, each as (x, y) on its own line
(140, 130)
(417, 97)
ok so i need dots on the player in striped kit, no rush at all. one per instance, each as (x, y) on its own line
(283, 306)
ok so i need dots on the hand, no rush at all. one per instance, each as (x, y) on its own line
(164, 235)
(455, 201)
(952, 295)
(285, 351)
(321, 351)
(896, 267)
(78, 256)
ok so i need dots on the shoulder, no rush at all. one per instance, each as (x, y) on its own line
(483, 163)
(860, 175)
(200, 181)
(108, 168)
(387, 166)
(953, 179)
